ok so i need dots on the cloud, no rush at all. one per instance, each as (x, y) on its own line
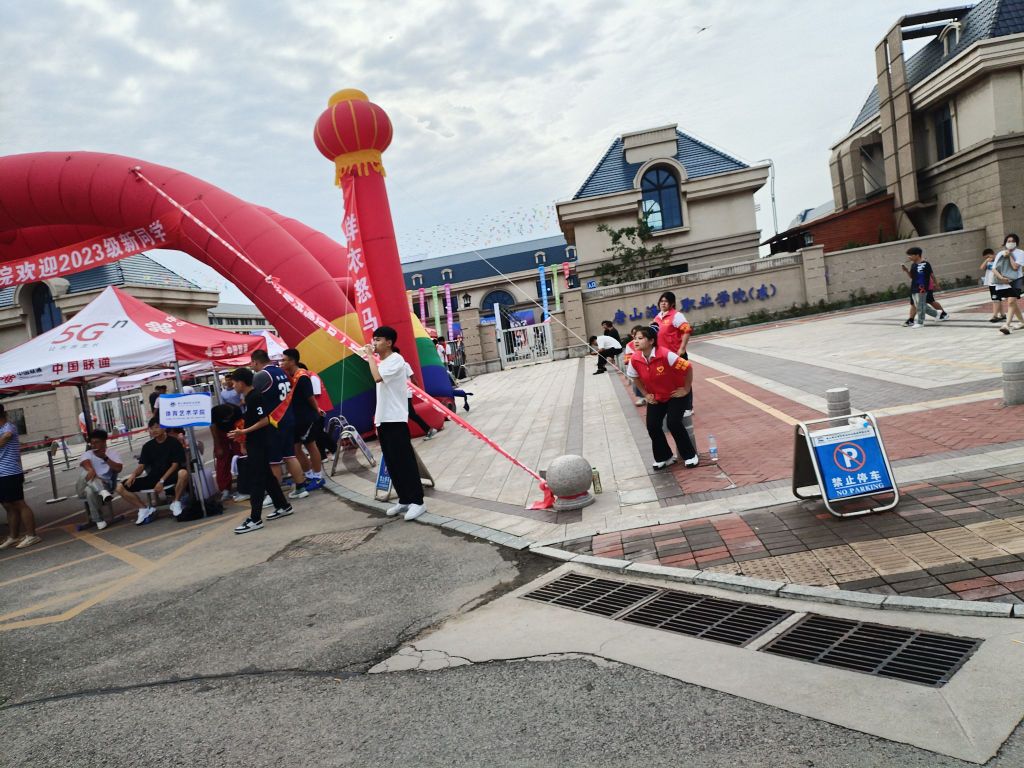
(498, 109)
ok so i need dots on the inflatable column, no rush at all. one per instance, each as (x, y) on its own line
(353, 132)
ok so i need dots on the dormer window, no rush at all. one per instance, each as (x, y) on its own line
(950, 36)
(661, 205)
(446, 274)
(540, 258)
(417, 279)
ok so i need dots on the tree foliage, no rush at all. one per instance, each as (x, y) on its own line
(630, 258)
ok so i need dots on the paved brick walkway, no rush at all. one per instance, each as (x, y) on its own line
(954, 536)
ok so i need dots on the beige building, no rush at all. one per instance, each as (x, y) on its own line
(697, 200)
(28, 310)
(943, 130)
(238, 318)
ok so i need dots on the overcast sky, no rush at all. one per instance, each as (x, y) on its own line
(499, 109)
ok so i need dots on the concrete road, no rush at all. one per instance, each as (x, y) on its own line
(217, 660)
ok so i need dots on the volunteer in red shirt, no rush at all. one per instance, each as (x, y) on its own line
(627, 354)
(665, 379)
(673, 330)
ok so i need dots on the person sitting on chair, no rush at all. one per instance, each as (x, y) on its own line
(163, 460)
(97, 477)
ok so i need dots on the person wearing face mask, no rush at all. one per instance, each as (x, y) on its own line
(1008, 276)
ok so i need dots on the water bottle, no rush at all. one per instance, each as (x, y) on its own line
(713, 447)
(596, 478)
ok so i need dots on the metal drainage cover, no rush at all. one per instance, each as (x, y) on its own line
(711, 618)
(326, 543)
(905, 654)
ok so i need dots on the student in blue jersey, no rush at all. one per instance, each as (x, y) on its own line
(21, 522)
(392, 421)
(275, 389)
(308, 418)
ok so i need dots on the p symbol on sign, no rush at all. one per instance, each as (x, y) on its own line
(849, 457)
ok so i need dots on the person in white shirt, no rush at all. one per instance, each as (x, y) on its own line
(606, 347)
(97, 476)
(392, 421)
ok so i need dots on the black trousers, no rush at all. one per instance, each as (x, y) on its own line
(401, 461)
(413, 416)
(673, 411)
(603, 355)
(261, 482)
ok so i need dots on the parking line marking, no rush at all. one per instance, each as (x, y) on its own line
(55, 600)
(51, 569)
(108, 548)
(783, 417)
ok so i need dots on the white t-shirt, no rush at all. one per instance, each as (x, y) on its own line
(607, 342)
(99, 465)
(408, 375)
(392, 400)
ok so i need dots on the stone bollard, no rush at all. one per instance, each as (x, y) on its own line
(569, 478)
(838, 402)
(1013, 382)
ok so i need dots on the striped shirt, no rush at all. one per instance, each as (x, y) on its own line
(10, 452)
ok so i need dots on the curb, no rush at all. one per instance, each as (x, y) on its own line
(728, 581)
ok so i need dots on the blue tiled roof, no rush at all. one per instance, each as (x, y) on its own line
(477, 265)
(135, 270)
(614, 174)
(988, 19)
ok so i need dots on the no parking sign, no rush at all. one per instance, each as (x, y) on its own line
(851, 461)
(846, 462)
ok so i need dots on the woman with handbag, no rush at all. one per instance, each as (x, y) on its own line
(1008, 274)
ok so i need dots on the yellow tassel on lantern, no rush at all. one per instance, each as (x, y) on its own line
(360, 162)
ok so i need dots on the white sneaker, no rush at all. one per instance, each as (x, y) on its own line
(692, 462)
(28, 541)
(398, 509)
(175, 508)
(415, 510)
(666, 463)
(10, 541)
(100, 525)
(225, 495)
(430, 434)
(640, 401)
(106, 496)
(143, 514)
(249, 525)
(267, 502)
(240, 497)
(917, 325)
(300, 492)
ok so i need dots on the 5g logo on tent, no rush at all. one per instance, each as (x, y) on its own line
(89, 332)
(849, 457)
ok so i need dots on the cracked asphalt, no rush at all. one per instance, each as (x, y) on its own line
(264, 663)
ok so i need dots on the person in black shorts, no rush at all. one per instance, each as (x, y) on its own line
(164, 462)
(258, 436)
(21, 522)
(308, 418)
(274, 385)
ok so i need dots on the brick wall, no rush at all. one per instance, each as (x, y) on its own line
(867, 224)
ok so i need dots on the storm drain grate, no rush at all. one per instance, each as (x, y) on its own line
(696, 615)
(875, 649)
(710, 618)
(604, 597)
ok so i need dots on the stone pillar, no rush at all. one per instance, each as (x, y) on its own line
(1013, 382)
(815, 284)
(572, 305)
(838, 402)
(469, 321)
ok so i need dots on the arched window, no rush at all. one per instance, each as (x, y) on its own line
(45, 313)
(446, 274)
(417, 279)
(951, 219)
(539, 258)
(503, 298)
(661, 206)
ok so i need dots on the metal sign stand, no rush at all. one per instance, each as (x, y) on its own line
(384, 478)
(348, 432)
(845, 474)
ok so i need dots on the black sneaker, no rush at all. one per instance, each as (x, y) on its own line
(279, 513)
(249, 525)
(944, 315)
(908, 324)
